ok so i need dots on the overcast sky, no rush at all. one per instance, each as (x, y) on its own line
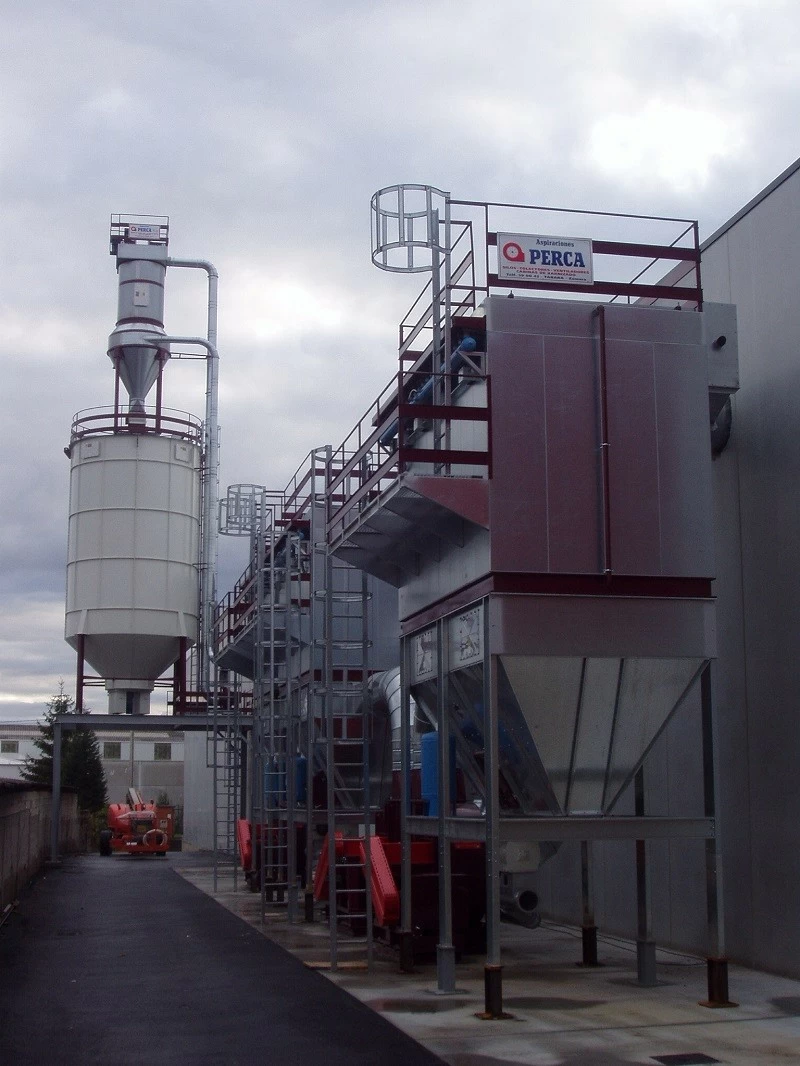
(262, 129)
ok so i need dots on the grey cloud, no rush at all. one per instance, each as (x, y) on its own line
(262, 130)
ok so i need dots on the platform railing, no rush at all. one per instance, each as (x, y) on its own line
(106, 421)
(411, 427)
(236, 611)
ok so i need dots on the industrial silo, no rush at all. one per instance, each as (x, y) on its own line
(133, 600)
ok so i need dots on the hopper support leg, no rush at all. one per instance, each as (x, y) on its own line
(445, 951)
(588, 927)
(79, 677)
(405, 934)
(645, 944)
(493, 970)
(716, 963)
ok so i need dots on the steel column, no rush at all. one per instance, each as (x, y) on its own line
(330, 763)
(493, 970)
(717, 962)
(405, 934)
(366, 729)
(290, 742)
(55, 807)
(79, 678)
(445, 951)
(645, 944)
(588, 927)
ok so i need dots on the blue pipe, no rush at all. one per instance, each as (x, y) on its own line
(423, 394)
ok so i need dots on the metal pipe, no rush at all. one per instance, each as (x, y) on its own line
(208, 566)
(422, 395)
(447, 323)
(600, 313)
(208, 563)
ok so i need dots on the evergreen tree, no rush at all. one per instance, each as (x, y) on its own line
(38, 769)
(81, 766)
(83, 770)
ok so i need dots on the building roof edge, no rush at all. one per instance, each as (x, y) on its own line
(750, 205)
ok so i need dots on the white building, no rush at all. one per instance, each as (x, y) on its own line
(153, 763)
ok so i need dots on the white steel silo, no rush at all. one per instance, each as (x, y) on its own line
(137, 482)
(132, 566)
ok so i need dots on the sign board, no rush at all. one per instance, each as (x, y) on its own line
(424, 662)
(535, 257)
(466, 638)
(144, 233)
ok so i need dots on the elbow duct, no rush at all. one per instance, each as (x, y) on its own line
(423, 394)
(721, 429)
(518, 901)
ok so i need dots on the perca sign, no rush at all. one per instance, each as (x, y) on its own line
(144, 233)
(534, 257)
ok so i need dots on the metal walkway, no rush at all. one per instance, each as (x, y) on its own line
(121, 960)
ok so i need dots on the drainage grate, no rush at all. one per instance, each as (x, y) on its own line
(690, 1058)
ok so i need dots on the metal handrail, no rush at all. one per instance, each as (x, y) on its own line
(107, 421)
(367, 464)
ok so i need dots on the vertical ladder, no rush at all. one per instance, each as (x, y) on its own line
(278, 607)
(223, 755)
(346, 729)
(313, 697)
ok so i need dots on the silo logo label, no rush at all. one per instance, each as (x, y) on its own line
(534, 257)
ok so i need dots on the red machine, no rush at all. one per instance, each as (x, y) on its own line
(137, 828)
(468, 878)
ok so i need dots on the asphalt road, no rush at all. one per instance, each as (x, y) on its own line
(121, 961)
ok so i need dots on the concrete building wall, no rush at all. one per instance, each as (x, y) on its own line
(156, 766)
(753, 262)
(25, 818)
